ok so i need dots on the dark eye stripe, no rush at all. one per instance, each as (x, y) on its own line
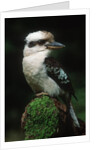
(31, 44)
(41, 42)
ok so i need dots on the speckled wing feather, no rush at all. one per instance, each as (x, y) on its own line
(57, 73)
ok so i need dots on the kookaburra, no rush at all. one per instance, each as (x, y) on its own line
(44, 73)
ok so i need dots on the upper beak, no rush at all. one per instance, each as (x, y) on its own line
(54, 45)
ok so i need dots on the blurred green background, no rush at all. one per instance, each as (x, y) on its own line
(69, 30)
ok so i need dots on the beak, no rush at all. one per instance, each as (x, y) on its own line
(54, 45)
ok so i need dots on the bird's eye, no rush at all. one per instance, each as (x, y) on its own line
(31, 44)
(41, 42)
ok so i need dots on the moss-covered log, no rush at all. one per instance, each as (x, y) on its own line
(46, 117)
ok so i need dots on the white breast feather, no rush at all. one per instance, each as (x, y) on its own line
(36, 76)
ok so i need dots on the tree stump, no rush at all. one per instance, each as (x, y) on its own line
(46, 117)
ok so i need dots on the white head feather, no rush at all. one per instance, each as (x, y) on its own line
(35, 37)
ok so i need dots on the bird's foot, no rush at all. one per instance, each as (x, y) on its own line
(42, 93)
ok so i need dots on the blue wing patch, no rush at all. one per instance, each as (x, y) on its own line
(57, 73)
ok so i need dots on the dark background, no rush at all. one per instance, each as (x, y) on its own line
(69, 30)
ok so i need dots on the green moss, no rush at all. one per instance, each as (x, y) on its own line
(42, 118)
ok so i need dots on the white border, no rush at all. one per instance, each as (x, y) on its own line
(51, 141)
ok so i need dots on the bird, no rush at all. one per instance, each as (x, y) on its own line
(43, 73)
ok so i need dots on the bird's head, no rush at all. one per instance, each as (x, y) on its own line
(40, 41)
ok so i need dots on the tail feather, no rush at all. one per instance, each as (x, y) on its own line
(75, 97)
(71, 110)
(74, 117)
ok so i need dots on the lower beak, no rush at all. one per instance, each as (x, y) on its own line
(54, 45)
